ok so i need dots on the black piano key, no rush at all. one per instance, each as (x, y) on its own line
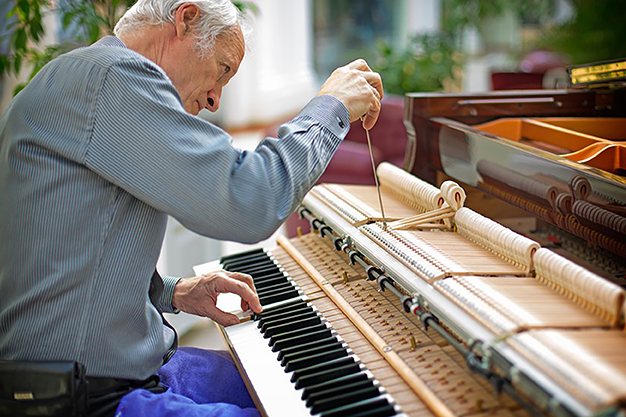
(320, 367)
(327, 375)
(299, 352)
(334, 383)
(282, 296)
(285, 316)
(266, 283)
(289, 318)
(299, 340)
(295, 349)
(385, 410)
(345, 399)
(294, 325)
(236, 264)
(306, 361)
(276, 275)
(260, 270)
(241, 254)
(293, 334)
(362, 408)
(339, 389)
(274, 288)
(279, 290)
(270, 312)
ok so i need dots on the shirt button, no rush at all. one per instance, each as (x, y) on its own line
(341, 123)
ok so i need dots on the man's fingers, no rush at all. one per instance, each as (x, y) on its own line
(221, 317)
(245, 278)
(371, 118)
(241, 289)
(375, 81)
(359, 64)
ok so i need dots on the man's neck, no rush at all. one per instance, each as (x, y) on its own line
(152, 42)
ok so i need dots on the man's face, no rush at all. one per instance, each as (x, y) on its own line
(200, 80)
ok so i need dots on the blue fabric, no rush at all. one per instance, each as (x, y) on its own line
(201, 383)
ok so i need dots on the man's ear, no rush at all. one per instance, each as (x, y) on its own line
(186, 16)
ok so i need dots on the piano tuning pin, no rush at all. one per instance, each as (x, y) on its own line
(479, 405)
(413, 343)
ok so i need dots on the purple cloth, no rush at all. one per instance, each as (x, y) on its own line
(200, 383)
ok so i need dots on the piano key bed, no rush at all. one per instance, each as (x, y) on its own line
(305, 356)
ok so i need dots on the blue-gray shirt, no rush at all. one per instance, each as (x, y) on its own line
(95, 152)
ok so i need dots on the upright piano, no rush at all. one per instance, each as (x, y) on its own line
(493, 285)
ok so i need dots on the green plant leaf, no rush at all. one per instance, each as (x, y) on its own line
(18, 88)
(17, 63)
(20, 39)
(24, 7)
(67, 19)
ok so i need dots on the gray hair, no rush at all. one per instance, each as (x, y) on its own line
(217, 17)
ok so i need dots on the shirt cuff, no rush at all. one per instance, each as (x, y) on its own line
(165, 300)
(329, 111)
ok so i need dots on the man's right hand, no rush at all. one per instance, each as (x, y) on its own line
(359, 88)
(198, 295)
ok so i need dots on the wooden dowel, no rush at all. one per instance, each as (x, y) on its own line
(426, 226)
(420, 221)
(429, 214)
(417, 385)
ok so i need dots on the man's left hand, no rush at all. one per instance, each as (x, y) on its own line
(198, 295)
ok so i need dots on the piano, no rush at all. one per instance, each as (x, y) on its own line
(493, 286)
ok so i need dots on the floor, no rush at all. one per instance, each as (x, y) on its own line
(203, 334)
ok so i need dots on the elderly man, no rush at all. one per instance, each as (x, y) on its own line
(100, 147)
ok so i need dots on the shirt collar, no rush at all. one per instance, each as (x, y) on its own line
(110, 41)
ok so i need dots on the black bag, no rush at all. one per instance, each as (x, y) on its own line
(42, 389)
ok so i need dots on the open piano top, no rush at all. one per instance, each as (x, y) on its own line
(558, 155)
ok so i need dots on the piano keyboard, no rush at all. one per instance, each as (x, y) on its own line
(293, 357)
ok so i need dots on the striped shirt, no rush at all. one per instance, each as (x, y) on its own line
(95, 152)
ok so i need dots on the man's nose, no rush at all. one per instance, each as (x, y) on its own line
(213, 100)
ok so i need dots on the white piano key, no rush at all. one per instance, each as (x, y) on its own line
(271, 383)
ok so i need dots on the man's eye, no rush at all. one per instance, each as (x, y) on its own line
(226, 69)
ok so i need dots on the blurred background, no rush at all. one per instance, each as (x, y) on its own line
(416, 45)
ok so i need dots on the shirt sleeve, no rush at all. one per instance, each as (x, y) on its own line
(144, 142)
(165, 300)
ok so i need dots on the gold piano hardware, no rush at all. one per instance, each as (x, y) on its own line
(598, 72)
